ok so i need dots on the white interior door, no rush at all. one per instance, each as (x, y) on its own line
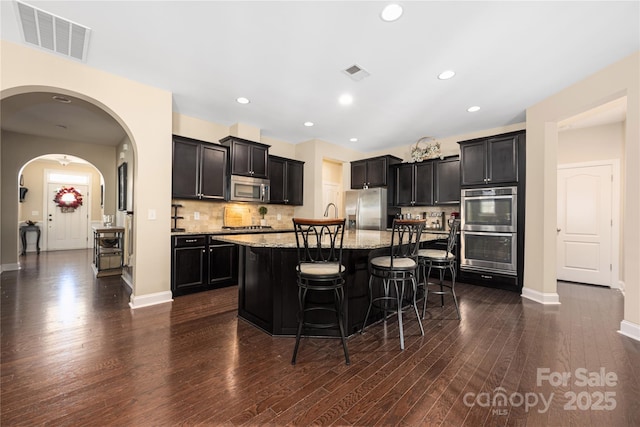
(331, 194)
(66, 230)
(585, 224)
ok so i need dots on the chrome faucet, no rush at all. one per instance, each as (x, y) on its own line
(326, 211)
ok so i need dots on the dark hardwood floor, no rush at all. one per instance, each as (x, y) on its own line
(73, 353)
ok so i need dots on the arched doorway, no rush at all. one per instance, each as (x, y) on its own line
(46, 176)
(61, 130)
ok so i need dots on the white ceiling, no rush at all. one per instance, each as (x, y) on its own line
(288, 57)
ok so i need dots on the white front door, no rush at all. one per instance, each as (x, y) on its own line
(585, 197)
(66, 230)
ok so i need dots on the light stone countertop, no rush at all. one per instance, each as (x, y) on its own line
(353, 239)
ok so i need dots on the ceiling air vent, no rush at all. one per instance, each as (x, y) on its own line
(52, 32)
(356, 72)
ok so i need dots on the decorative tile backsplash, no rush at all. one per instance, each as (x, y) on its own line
(211, 215)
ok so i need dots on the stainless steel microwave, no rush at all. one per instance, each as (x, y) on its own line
(247, 189)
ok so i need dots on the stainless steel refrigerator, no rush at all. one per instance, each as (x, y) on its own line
(366, 209)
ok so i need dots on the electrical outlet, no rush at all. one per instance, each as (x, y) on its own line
(196, 215)
(151, 214)
(279, 217)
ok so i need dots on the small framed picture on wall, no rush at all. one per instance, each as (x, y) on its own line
(122, 187)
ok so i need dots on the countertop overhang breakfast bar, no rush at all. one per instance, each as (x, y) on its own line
(268, 293)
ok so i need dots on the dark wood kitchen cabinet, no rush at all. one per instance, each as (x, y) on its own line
(200, 263)
(372, 172)
(188, 260)
(446, 180)
(490, 161)
(427, 183)
(413, 184)
(286, 178)
(199, 170)
(222, 265)
(247, 158)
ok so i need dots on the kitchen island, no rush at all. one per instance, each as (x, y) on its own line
(268, 292)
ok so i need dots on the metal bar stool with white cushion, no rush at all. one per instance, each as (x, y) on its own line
(400, 267)
(442, 260)
(320, 271)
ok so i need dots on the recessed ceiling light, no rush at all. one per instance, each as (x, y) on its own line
(354, 140)
(61, 98)
(242, 100)
(345, 99)
(308, 124)
(445, 75)
(473, 109)
(391, 12)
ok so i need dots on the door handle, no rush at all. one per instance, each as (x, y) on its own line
(558, 229)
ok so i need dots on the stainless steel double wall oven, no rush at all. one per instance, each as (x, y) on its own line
(489, 228)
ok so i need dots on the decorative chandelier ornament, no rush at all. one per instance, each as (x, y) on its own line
(426, 150)
(68, 199)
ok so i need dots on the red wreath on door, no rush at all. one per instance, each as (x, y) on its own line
(68, 197)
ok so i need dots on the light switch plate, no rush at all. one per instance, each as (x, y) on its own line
(151, 214)
(35, 213)
(279, 217)
(196, 215)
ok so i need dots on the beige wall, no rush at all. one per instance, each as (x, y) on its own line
(592, 143)
(619, 79)
(146, 116)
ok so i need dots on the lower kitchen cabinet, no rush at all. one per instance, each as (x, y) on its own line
(199, 263)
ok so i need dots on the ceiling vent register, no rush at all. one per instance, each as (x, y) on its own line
(356, 72)
(52, 32)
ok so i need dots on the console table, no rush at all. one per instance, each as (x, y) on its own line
(24, 229)
(108, 254)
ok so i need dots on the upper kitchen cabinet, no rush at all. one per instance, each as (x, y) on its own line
(286, 179)
(372, 172)
(447, 181)
(413, 184)
(248, 158)
(199, 170)
(427, 183)
(490, 161)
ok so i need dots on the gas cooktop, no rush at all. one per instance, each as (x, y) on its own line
(247, 227)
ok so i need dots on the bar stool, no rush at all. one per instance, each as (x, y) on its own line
(400, 268)
(320, 271)
(442, 260)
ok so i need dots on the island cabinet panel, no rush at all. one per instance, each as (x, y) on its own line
(199, 170)
(286, 179)
(268, 291)
(247, 158)
(490, 161)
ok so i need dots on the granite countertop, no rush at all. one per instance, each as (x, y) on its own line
(226, 231)
(353, 239)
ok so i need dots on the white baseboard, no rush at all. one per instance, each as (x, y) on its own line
(630, 330)
(9, 267)
(150, 299)
(126, 279)
(548, 298)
